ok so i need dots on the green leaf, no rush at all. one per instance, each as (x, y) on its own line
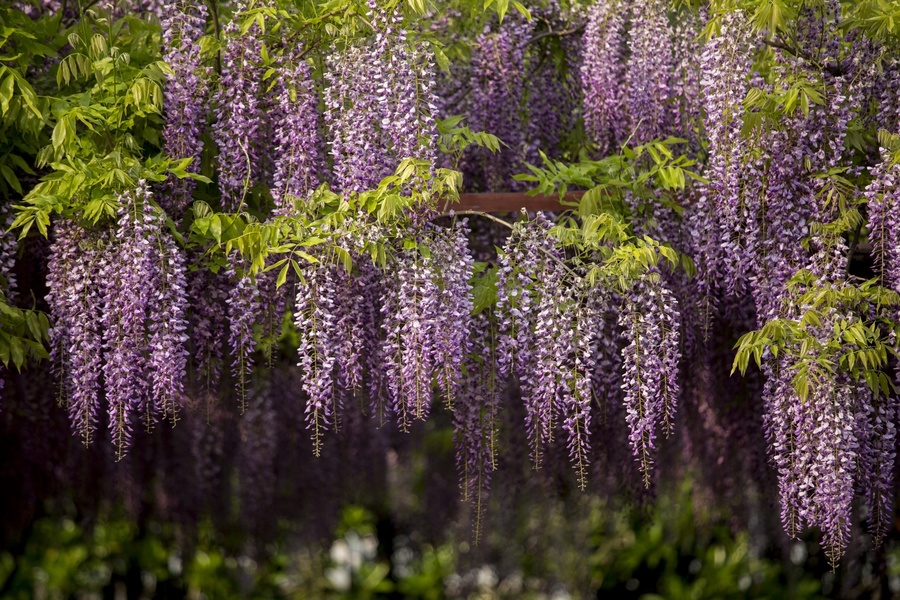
(522, 10)
(6, 93)
(282, 275)
(502, 8)
(215, 228)
(11, 178)
(60, 133)
(344, 257)
(17, 352)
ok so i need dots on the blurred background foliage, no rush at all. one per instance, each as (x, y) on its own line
(674, 548)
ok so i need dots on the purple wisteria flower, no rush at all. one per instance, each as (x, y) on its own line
(240, 120)
(548, 102)
(883, 208)
(243, 313)
(524, 258)
(650, 67)
(475, 427)
(76, 307)
(185, 97)
(298, 159)
(498, 72)
(128, 274)
(877, 458)
(9, 247)
(208, 293)
(380, 105)
(650, 360)
(685, 85)
(411, 313)
(726, 234)
(316, 314)
(167, 318)
(546, 340)
(603, 74)
(453, 265)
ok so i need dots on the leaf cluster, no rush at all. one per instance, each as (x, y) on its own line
(832, 328)
(599, 231)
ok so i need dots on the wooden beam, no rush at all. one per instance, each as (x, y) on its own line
(513, 202)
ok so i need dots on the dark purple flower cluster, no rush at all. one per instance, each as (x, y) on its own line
(883, 208)
(360, 160)
(258, 449)
(685, 86)
(527, 256)
(9, 247)
(651, 357)
(144, 322)
(243, 314)
(722, 230)
(298, 157)
(317, 316)
(167, 315)
(550, 99)
(453, 267)
(405, 89)
(475, 418)
(209, 294)
(840, 438)
(498, 71)
(650, 67)
(118, 305)
(877, 458)
(546, 340)
(74, 289)
(578, 390)
(185, 97)
(338, 336)
(392, 335)
(602, 75)
(411, 320)
(126, 269)
(379, 105)
(240, 120)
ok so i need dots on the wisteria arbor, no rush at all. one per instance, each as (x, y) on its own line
(240, 219)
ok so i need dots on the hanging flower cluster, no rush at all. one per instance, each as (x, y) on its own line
(298, 162)
(883, 203)
(475, 418)
(651, 361)
(650, 67)
(829, 436)
(240, 125)
(639, 74)
(725, 71)
(209, 294)
(411, 337)
(379, 105)
(244, 312)
(185, 97)
(546, 340)
(9, 247)
(118, 306)
(498, 72)
(74, 297)
(602, 74)
(321, 302)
